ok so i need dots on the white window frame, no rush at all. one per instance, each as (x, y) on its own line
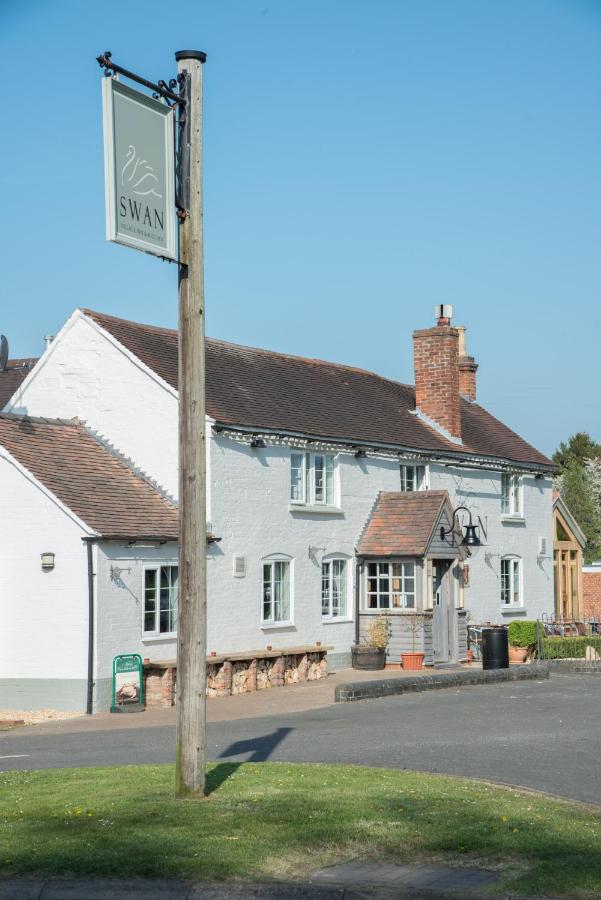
(329, 561)
(156, 631)
(272, 562)
(385, 570)
(515, 571)
(306, 464)
(512, 495)
(414, 474)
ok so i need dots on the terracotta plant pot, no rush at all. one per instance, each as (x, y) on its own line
(517, 654)
(469, 655)
(414, 661)
(368, 658)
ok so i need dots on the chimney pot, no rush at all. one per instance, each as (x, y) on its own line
(48, 338)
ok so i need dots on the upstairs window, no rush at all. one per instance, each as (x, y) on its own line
(511, 581)
(333, 588)
(312, 479)
(160, 600)
(413, 478)
(390, 585)
(511, 494)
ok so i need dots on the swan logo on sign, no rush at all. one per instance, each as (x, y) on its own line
(139, 170)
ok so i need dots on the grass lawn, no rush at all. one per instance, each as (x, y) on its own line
(275, 820)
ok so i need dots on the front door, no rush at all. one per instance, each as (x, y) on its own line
(442, 611)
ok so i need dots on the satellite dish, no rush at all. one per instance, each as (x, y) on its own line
(3, 352)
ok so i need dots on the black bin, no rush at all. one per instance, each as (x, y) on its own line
(495, 648)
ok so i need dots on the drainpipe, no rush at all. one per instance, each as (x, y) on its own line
(90, 699)
(357, 596)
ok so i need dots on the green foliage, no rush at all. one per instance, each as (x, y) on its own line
(568, 647)
(273, 821)
(522, 634)
(578, 494)
(579, 449)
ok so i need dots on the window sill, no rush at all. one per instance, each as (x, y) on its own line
(275, 626)
(153, 638)
(513, 520)
(315, 509)
(394, 612)
(336, 620)
(513, 611)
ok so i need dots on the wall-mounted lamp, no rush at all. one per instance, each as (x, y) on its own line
(47, 562)
(471, 540)
(257, 443)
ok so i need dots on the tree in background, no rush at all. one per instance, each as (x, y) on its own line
(580, 447)
(579, 482)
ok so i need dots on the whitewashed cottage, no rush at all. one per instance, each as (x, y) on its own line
(332, 491)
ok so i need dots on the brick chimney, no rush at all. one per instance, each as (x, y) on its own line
(467, 368)
(436, 365)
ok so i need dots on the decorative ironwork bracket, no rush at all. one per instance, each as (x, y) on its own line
(162, 89)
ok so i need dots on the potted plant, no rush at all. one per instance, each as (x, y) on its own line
(414, 623)
(522, 640)
(371, 652)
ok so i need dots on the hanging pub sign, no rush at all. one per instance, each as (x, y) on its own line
(139, 173)
(127, 683)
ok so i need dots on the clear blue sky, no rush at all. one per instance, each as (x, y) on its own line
(365, 160)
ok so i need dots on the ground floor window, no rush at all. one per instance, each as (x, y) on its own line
(511, 581)
(390, 585)
(276, 591)
(333, 588)
(160, 600)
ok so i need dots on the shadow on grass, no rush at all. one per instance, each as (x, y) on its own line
(260, 749)
(218, 774)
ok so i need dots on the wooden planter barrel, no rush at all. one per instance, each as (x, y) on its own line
(368, 658)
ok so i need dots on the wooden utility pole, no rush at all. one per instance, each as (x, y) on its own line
(192, 624)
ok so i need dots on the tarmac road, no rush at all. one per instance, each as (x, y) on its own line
(543, 735)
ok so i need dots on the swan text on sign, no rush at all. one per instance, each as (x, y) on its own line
(139, 170)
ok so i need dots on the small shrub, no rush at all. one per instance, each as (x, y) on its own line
(568, 647)
(379, 632)
(522, 634)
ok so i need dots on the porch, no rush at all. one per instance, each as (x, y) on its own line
(410, 566)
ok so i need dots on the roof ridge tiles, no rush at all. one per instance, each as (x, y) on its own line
(41, 420)
(174, 332)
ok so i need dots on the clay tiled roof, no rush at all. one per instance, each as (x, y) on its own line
(11, 377)
(401, 523)
(261, 389)
(91, 481)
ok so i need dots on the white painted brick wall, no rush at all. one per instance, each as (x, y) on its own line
(84, 374)
(44, 615)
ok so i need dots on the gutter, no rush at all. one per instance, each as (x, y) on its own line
(459, 458)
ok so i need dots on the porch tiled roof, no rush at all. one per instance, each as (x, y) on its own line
(256, 388)
(94, 483)
(401, 523)
(11, 377)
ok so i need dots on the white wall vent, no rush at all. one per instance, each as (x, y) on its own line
(239, 566)
(542, 546)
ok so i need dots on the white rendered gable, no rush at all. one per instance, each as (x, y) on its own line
(86, 373)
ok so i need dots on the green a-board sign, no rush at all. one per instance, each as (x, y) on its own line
(128, 693)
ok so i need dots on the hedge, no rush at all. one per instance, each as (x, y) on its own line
(568, 647)
(522, 633)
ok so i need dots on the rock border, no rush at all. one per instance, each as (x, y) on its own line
(386, 687)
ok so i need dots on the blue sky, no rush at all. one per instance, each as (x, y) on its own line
(364, 160)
